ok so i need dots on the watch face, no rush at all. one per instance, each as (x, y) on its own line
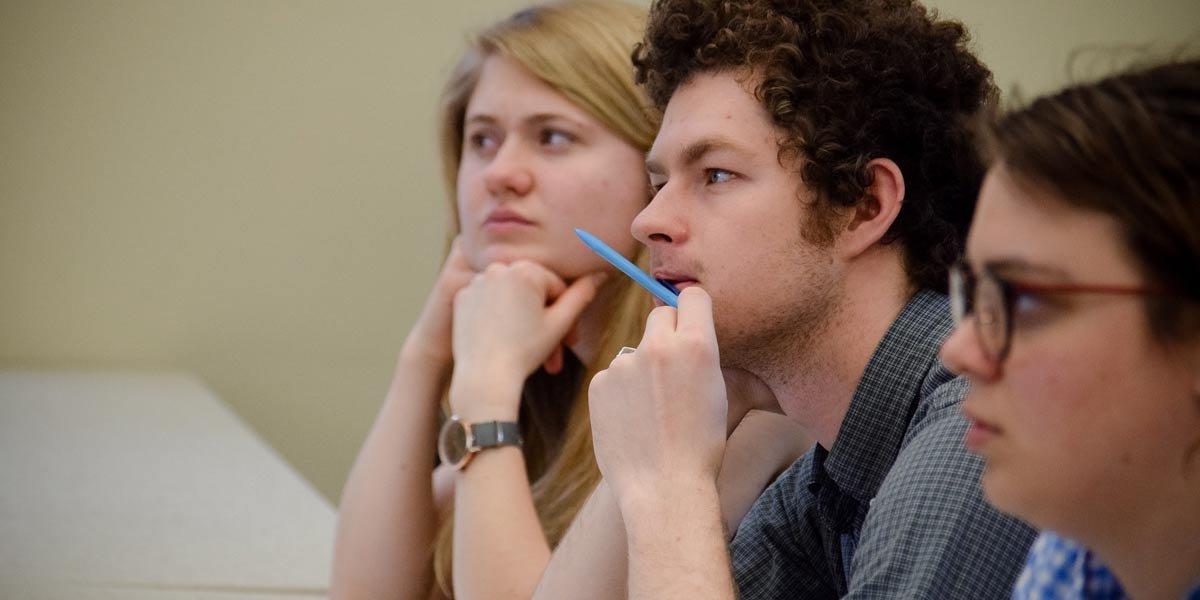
(452, 443)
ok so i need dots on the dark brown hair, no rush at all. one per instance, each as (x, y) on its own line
(846, 82)
(1128, 147)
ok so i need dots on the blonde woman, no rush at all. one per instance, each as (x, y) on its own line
(543, 130)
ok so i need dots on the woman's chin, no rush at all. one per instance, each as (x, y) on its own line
(560, 263)
(500, 253)
(1002, 492)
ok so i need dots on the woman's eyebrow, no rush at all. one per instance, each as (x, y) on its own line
(545, 117)
(483, 118)
(1021, 266)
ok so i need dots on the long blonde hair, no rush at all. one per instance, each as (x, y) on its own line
(582, 49)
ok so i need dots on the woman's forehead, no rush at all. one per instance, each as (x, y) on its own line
(1018, 222)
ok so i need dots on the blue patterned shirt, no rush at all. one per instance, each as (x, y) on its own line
(1059, 569)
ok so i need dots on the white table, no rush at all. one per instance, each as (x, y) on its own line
(120, 485)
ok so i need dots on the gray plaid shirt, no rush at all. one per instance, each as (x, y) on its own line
(895, 509)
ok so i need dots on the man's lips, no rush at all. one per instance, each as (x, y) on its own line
(677, 280)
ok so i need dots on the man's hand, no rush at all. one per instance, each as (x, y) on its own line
(658, 424)
(659, 414)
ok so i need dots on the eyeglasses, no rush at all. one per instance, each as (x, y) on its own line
(990, 299)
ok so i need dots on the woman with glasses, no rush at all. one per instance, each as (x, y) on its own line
(1078, 309)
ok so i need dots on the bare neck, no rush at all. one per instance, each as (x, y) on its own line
(594, 321)
(1155, 551)
(815, 383)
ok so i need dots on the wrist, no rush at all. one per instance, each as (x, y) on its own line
(646, 508)
(477, 398)
(419, 351)
(664, 494)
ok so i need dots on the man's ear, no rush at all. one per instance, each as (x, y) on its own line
(1196, 372)
(878, 209)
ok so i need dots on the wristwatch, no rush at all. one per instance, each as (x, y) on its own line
(460, 440)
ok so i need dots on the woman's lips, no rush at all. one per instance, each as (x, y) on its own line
(979, 434)
(503, 220)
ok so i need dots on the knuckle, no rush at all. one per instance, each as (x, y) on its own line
(527, 271)
(524, 265)
(661, 311)
(690, 339)
(655, 352)
(707, 352)
(597, 386)
(696, 343)
(471, 284)
(623, 362)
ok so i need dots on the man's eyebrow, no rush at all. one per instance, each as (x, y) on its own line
(697, 150)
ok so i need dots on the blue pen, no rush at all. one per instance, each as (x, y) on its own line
(662, 292)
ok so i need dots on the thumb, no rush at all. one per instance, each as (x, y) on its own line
(562, 314)
(554, 363)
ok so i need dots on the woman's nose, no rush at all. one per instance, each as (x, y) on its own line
(963, 353)
(509, 173)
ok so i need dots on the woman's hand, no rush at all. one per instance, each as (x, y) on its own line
(508, 320)
(430, 338)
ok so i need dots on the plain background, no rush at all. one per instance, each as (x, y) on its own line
(250, 190)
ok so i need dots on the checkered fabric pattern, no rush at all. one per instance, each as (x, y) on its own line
(1060, 569)
(895, 509)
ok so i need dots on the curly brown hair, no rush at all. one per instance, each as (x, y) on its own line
(846, 82)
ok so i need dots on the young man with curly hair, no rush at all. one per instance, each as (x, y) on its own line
(814, 180)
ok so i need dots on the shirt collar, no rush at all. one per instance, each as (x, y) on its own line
(886, 397)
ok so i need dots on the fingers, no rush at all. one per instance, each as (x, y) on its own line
(554, 362)
(661, 320)
(456, 258)
(551, 284)
(572, 336)
(456, 271)
(695, 312)
(562, 314)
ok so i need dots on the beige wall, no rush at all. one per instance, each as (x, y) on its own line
(249, 191)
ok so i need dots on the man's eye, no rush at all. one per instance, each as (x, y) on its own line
(717, 175)
(655, 188)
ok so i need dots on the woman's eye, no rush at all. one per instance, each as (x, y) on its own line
(482, 142)
(1031, 308)
(717, 175)
(555, 138)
